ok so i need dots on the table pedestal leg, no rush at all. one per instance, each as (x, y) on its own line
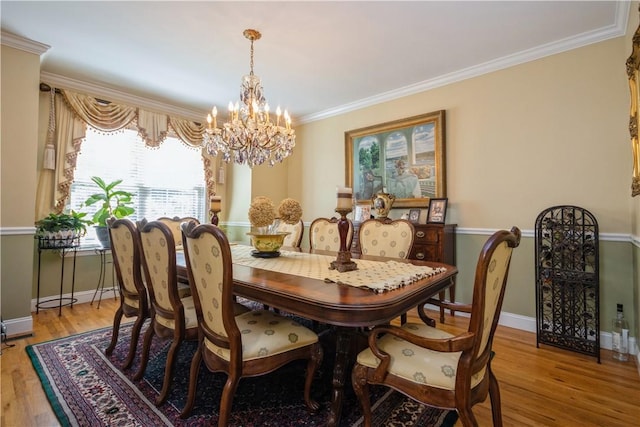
(344, 355)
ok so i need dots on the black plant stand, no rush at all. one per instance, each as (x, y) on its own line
(567, 280)
(103, 252)
(63, 246)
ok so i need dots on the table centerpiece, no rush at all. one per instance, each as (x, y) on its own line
(265, 237)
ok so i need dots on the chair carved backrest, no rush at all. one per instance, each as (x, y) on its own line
(385, 237)
(174, 225)
(159, 266)
(297, 230)
(125, 251)
(126, 258)
(324, 235)
(488, 293)
(208, 255)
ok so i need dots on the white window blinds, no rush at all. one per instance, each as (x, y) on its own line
(166, 181)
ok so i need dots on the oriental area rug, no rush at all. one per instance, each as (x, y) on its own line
(87, 388)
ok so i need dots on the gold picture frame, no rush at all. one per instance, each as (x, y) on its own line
(633, 72)
(404, 157)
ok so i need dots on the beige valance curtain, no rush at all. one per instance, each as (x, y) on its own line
(103, 116)
(74, 111)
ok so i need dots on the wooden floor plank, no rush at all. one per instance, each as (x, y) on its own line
(539, 386)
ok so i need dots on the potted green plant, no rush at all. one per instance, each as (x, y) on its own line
(61, 229)
(114, 203)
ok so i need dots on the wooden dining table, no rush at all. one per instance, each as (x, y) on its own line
(349, 309)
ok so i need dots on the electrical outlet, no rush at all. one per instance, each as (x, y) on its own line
(3, 328)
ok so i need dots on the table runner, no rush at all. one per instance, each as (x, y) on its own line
(378, 276)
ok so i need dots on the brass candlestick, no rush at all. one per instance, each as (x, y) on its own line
(343, 261)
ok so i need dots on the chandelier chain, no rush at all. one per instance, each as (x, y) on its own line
(251, 62)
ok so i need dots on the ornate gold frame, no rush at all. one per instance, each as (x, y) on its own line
(633, 72)
(428, 166)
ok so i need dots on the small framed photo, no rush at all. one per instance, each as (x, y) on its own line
(414, 215)
(437, 211)
(363, 212)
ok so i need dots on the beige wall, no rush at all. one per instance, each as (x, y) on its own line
(518, 140)
(19, 139)
(243, 185)
(270, 182)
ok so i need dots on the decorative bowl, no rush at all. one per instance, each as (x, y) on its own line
(267, 244)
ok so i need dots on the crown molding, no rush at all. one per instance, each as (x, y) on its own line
(615, 30)
(17, 42)
(58, 81)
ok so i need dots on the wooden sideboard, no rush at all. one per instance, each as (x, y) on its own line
(434, 242)
(431, 242)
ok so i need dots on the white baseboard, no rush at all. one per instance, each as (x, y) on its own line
(19, 327)
(528, 324)
(82, 297)
(24, 325)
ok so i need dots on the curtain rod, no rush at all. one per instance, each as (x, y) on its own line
(46, 88)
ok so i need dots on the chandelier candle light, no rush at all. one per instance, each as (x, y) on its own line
(250, 136)
(343, 261)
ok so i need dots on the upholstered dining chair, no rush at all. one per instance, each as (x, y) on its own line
(172, 317)
(245, 345)
(386, 237)
(174, 225)
(294, 239)
(125, 251)
(324, 235)
(437, 368)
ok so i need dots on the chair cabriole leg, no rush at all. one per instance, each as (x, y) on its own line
(116, 329)
(144, 357)
(193, 381)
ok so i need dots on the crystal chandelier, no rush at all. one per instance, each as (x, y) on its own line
(250, 136)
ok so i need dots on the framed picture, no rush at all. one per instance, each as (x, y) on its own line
(437, 211)
(363, 212)
(405, 158)
(414, 215)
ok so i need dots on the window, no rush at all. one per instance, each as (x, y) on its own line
(167, 180)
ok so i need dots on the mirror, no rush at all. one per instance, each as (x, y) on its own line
(633, 65)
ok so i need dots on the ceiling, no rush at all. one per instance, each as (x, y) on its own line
(316, 59)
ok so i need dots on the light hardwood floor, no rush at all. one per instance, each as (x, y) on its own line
(540, 387)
